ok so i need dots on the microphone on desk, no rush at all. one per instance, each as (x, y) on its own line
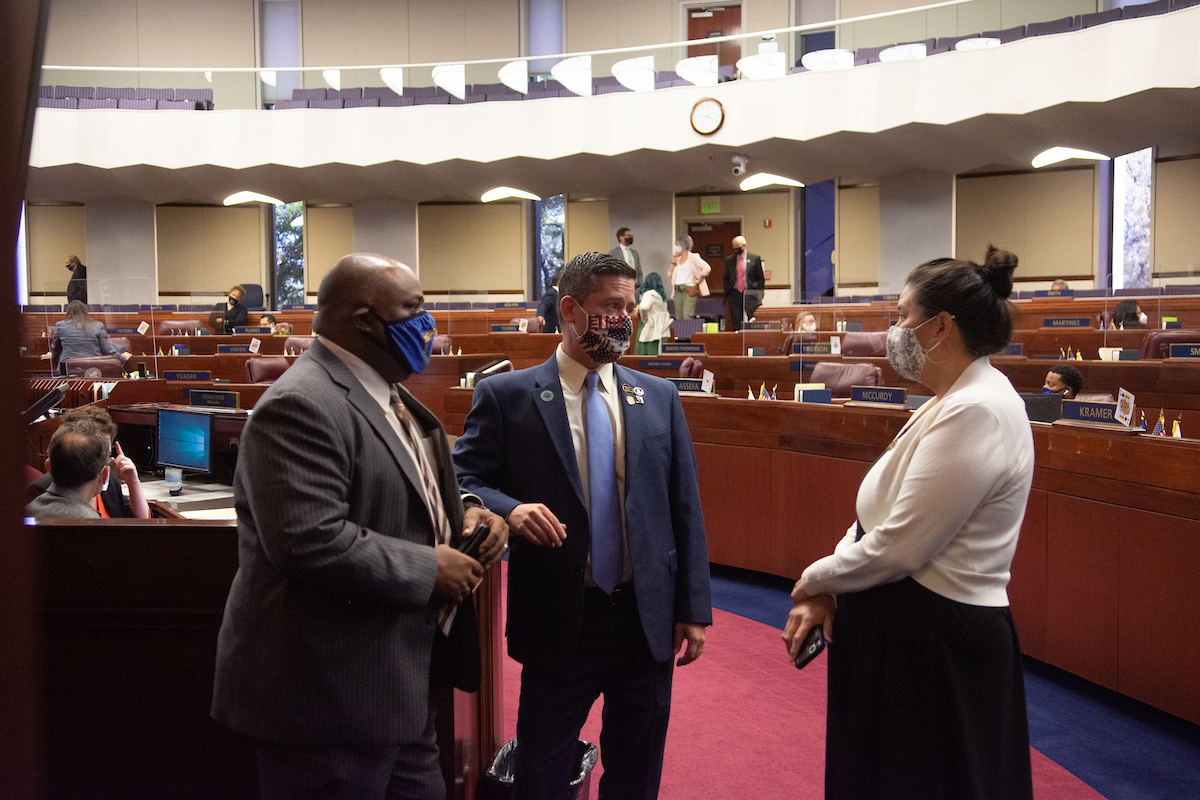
(494, 368)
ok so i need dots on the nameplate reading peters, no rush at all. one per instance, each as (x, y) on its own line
(1081, 411)
(878, 394)
(1185, 350)
(1066, 322)
(190, 375)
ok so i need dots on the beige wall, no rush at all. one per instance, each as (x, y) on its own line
(1047, 218)
(210, 248)
(1176, 209)
(328, 235)
(857, 239)
(53, 233)
(161, 33)
(775, 245)
(587, 228)
(476, 247)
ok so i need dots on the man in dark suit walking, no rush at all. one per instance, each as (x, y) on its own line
(348, 508)
(592, 465)
(625, 252)
(744, 283)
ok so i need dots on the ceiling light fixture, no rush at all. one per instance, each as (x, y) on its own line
(761, 179)
(268, 76)
(515, 75)
(452, 78)
(333, 77)
(977, 43)
(762, 67)
(1057, 154)
(502, 192)
(904, 52)
(238, 198)
(575, 74)
(393, 78)
(699, 70)
(827, 60)
(635, 73)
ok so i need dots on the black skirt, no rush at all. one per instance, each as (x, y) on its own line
(926, 699)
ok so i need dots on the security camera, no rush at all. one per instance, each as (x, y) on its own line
(739, 165)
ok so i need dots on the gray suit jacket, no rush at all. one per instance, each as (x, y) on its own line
(328, 626)
(72, 342)
(637, 266)
(59, 503)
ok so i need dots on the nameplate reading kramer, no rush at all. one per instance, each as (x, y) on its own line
(1081, 411)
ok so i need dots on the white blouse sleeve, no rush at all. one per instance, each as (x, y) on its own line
(957, 461)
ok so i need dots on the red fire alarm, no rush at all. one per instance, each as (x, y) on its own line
(766, 223)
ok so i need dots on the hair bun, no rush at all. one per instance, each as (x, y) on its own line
(997, 271)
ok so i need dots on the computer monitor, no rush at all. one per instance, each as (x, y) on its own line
(185, 440)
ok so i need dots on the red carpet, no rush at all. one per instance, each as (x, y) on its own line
(746, 724)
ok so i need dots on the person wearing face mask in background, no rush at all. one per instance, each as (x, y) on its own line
(77, 286)
(236, 314)
(624, 251)
(1065, 380)
(1128, 314)
(349, 515)
(925, 684)
(592, 465)
(744, 283)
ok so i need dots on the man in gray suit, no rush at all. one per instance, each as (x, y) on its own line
(347, 508)
(624, 251)
(79, 464)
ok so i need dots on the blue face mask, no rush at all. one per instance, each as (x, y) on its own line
(410, 340)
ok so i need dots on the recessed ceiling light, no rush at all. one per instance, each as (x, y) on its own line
(251, 197)
(501, 192)
(1057, 154)
(761, 179)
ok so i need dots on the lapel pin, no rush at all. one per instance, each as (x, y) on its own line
(640, 400)
(625, 387)
(629, 399)
(639, 391)
(547, 396)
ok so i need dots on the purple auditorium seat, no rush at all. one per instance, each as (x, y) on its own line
(948, 42)
(1099, 18)
(710, 308)
(1091, 293)
(503, 96)
(363, 102)
(76, 92)
(325, 103)
(46, 91)
(1144, 10)
(799, 68)
(136, 105)
(155, 94)
(344, 94)
(869, 55)
(176, 105)
(1149, 291)
(396, 102)
(840, 377)
(308, 94)
(204, 96)
(686, 328)
(1007, 35)
(471, 98)
(106, 103)
(423, 91)
(108, 93)
(1178, 4)
(725, 73)
(280, 105)
(1064, 25)
(381, 92)
(1178, 289)
(62, 102)
(444, 100)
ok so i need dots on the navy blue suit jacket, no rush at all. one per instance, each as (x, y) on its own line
(516, 448)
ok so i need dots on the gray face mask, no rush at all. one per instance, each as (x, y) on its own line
(905, 352)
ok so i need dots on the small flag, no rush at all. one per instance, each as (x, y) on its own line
(460, 349)
(1061, 355)
(1070, 355)
(749, 392)
(1143, 420)
(1079, 355)
(762, 391)
(773, 388)
(1160, 427)
(1175, 430)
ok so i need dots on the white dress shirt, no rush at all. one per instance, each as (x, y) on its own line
(944, 503)
(571, 375)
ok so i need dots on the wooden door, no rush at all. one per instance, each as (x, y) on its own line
(705, 22)
(714, 242)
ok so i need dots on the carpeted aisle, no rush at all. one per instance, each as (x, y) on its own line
(746, 725)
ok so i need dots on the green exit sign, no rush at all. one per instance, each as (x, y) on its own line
(710, 205)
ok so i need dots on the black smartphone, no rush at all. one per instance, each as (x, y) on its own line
(472, 543)
(813, 644)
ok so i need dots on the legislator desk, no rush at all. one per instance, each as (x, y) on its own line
(1105, 577)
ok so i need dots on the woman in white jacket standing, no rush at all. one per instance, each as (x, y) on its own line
(688, 275)
(926, 691)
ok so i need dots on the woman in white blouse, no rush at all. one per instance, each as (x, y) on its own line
(688, 275)
(926, 691)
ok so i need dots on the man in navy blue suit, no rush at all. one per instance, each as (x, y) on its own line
(593, 467)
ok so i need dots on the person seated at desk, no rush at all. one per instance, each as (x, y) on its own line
(1128, 314)
(806, 322)
(1058, 285)
(111, 503)
(236, 314)
(277, 328)
(80, 336)
(1065, 380)
(79, 466)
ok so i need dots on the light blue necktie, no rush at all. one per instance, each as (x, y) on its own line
(605, 513)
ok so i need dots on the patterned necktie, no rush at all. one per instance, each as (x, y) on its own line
(433, 495)
(605, 513)
(741, 287)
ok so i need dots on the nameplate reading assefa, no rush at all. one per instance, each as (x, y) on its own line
(661, 363)
(1066, 322)
(688, 384)
(884, 395)
(814, 349)
(1082, 411)
(211, 398)
(233, 349)
(190, 375)
(1185, 350)
(685, 349)
(506, 329)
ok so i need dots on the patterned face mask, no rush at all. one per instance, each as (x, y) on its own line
(905, 352)
(607, 337)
